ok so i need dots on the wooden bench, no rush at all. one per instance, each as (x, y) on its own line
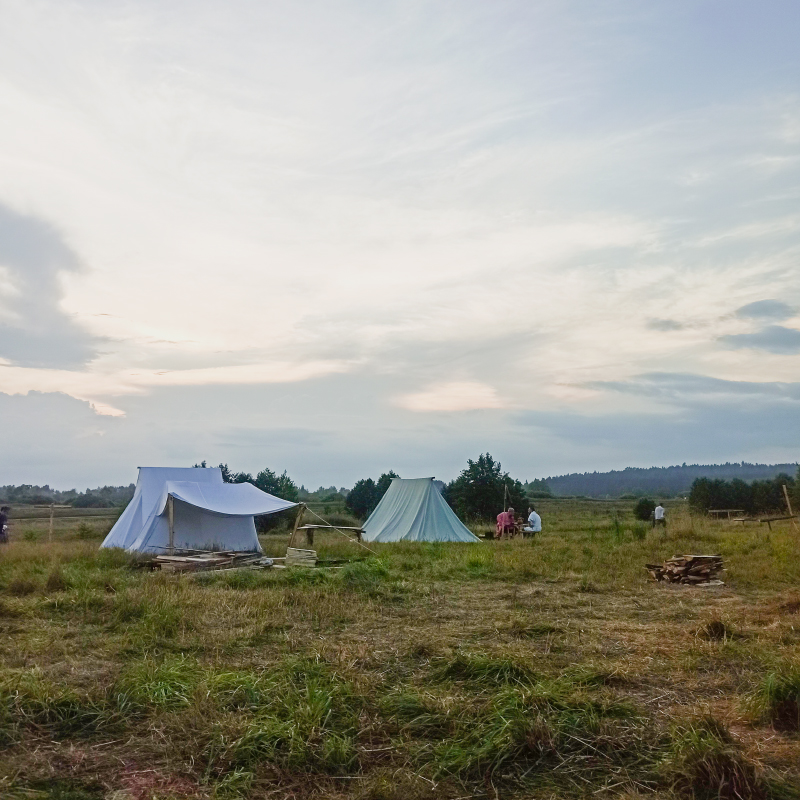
(770, 520)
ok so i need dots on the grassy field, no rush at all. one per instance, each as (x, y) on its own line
(550, 668)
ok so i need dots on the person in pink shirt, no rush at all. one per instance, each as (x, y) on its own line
(505, 524)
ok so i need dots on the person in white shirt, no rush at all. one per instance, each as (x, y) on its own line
(534, 525)
(659, 516)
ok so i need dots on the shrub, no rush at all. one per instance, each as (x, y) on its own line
(644, 508)
(85, 531)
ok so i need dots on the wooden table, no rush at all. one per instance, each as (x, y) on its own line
(310, 529)
(728, 511)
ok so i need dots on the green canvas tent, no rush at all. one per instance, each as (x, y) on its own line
(413, 510)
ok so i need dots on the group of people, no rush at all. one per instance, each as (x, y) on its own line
(509, 526)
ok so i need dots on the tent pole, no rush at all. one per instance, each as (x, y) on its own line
(171, 509)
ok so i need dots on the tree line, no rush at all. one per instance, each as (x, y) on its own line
(101, 497)
(757, 497)
(661, 481)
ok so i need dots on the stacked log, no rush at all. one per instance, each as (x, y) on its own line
(688, 570)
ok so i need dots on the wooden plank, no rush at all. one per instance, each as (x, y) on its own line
(295, 557)
(330, 527)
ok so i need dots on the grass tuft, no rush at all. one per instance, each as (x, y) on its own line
(777, 698)
(521, 629)
(485, 670)
(704, 762)
(20, 587)
(167, 685)
(56, 582)
(715, 631)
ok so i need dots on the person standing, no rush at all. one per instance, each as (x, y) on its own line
(534, 525)
(4, 524)
(660, 516)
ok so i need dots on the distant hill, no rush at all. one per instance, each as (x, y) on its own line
(666, 481)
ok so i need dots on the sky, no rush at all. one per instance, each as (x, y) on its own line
(344, 237)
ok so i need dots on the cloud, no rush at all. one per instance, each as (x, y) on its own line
(34, 330)
(324, 222)
(453, 396)
(766, 310)
(693, 389)
(664, 325)
(773, 339)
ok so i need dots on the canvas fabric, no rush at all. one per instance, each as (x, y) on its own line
(414, 510)
(209, 513)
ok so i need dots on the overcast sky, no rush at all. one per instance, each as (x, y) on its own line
(339, 238)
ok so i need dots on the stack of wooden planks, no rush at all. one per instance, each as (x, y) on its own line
(688, 570)
(295, 557)
(200, 561)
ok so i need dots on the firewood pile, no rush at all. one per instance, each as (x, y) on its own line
(688, 570)
(203, 561)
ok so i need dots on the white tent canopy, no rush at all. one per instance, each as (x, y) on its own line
(209, 514)
(414, 510)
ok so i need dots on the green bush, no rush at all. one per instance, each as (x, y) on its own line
(644, 508)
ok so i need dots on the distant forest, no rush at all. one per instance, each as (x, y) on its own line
(101, 497)
(661, 481)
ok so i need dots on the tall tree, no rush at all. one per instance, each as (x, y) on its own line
(479, 492)
(362, 499)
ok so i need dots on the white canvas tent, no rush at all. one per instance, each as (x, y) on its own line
(209, 514)
(413, 510)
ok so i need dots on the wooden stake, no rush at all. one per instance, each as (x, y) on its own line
(789, 506)
(788, 501)
(50, 531)
(171, 511)
(297, 521)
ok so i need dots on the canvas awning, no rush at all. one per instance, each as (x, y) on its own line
(226, 499)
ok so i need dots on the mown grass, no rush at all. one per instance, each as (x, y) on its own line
(531, 668)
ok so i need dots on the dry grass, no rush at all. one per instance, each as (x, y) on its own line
(537, 668)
